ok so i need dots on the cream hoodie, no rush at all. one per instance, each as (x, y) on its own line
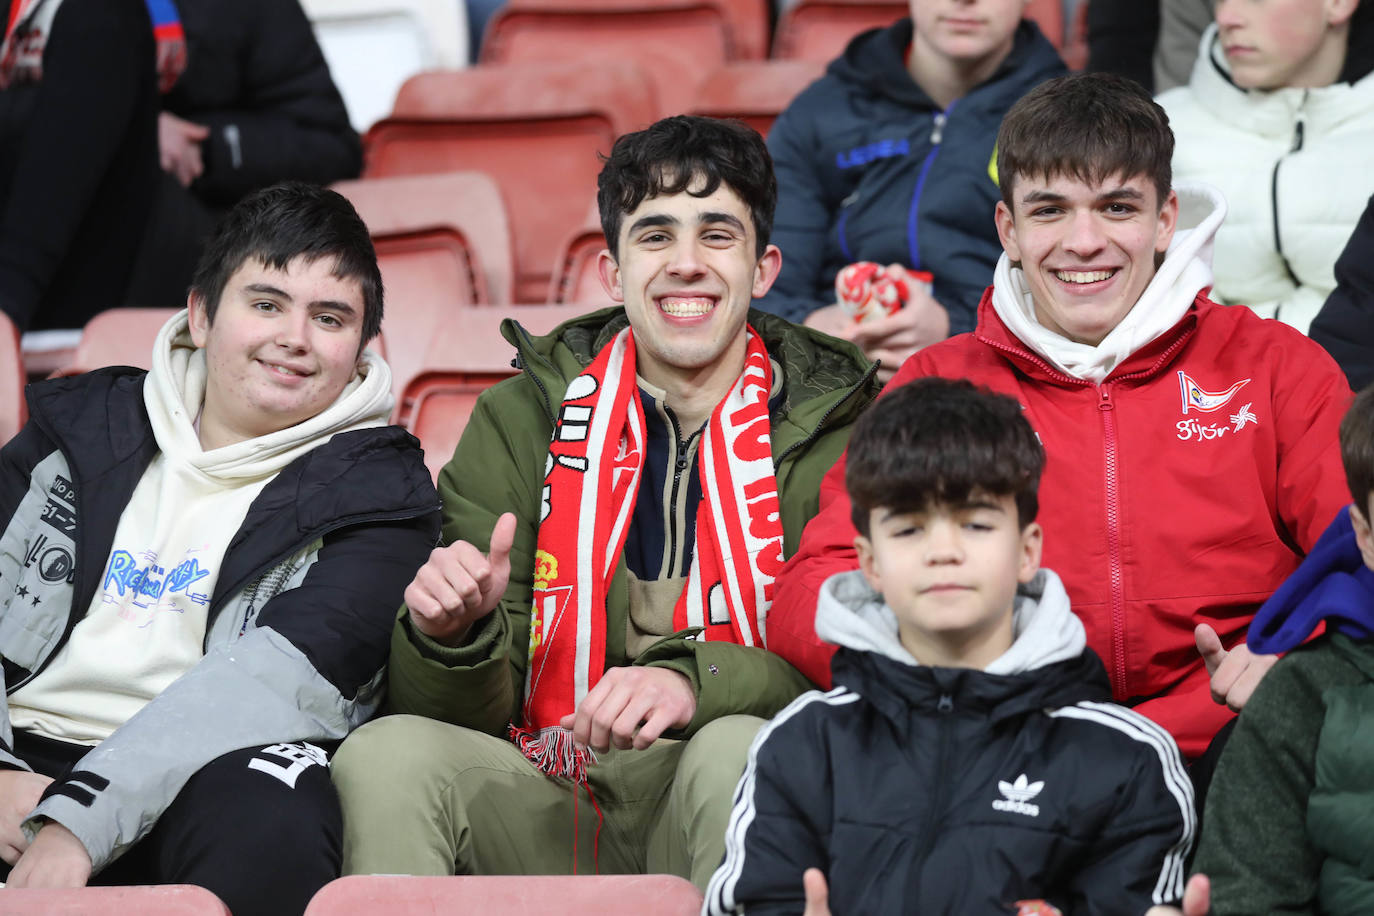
(1187, 268)
(146, 625)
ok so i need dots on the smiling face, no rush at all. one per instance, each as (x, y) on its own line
(282, 346)
(949, 573)
(687, 272)
(965, 31)
(1271, 44)
(1087, 251)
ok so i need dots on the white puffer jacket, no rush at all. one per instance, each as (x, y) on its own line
(1296, 166)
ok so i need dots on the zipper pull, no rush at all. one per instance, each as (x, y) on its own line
(1104, 397)
(1297, 136)
(939, 131)
(946, 704)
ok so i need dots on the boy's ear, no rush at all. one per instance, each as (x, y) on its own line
(867, 564)
(198, 317)
(1364, 538)
(1032, 543)
(1338, 12)
(1006, 230)
(766, 270)
(608, 270)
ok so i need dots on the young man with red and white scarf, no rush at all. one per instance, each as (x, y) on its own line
(637, 489)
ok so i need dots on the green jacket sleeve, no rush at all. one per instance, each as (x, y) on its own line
(494, 469)
(1255, 845)
(729, 679)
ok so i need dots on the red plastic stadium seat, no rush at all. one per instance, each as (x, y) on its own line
(12, 407)
(117, 337)
(755, 91)
(820, 29)
(674, 40)
(535, 128)
(163, 900)
(513, 895)
(575, 277)
(443, 244)
(461, 211)
(467, 355)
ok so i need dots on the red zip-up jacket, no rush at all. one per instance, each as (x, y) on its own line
(1182, 490)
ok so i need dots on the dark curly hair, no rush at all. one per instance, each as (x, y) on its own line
(939, 440)
(672, 155)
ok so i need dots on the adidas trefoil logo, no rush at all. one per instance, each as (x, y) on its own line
(1017, 795)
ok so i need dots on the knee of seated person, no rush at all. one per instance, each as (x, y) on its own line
(373, 753)
(720, 747)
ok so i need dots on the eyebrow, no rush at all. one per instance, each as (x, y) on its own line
(1047, 196)
(706, 219)
(267, 289)
(965, 506)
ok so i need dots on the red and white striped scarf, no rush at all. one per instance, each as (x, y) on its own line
(591, 480)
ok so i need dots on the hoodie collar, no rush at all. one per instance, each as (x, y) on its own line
(851, 614)
(1186, 270)
(1332, 584)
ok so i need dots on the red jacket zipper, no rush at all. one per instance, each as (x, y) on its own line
(1113, 499)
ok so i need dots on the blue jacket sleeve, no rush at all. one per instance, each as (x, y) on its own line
(803, 219)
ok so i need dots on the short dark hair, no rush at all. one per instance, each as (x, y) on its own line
(1087, 126)
(286, 221)
(1357, 449)
(669, 156)
(937, 440)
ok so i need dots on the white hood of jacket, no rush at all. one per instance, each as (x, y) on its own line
(1045, 630)
(1187, 268)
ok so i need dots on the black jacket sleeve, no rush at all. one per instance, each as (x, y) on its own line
(1138, 859)
(261, 84)
(1345, 325)
(780, 824)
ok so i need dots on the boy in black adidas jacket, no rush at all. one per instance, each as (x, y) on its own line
(968, 759)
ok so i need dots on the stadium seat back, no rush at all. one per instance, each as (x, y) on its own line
(755, 91)
(117, 337)
(675, 41)
(820, 29)
(575, 278)
(514, 895)
(536, 129)
(163, 900)
(466, 355)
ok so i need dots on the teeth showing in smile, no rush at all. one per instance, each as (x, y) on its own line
(685, 308)
(1082, 276)
(282, 370)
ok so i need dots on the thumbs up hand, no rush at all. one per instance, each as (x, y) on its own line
(458, 585)
(1234, 673)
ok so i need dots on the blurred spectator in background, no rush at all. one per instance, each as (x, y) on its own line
(889, 158)
(1181, 24)
(255, 105)
(1279, 114)
(1345, 325)
(1121, 38)
(78, 154)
